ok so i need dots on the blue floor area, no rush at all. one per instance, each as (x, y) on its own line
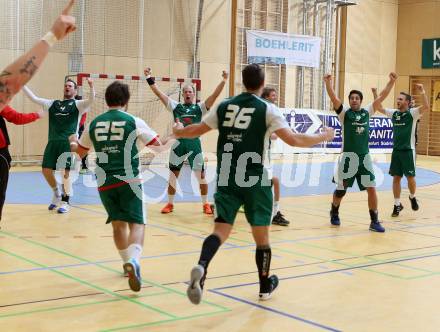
(296, 180)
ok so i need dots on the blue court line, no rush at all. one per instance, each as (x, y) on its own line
(231, 246)
(334, 271)
(236, 246)
(421, 234)
(198, 251)
(155, 226)
(278, 312)
(30, 187)
(143, 257)
(97, 262)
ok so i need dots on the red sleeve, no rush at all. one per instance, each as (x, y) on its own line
(17, 118)
(154, 140)
(83, 119)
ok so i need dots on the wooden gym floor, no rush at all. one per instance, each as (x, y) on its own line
(62, 272)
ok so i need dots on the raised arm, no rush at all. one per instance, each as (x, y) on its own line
(211, 99)
(328, 81)
(191, 131)
(84, 104)
(425, 103)
(162, 96)
(304, 140)
(377, 104)
(379, 107)
(17, 74)
(45, 103)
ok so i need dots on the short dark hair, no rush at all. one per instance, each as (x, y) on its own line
(117, 94)
(407, 96)
(253, 76)
(266, 92)
(74, 83)
(356, 92)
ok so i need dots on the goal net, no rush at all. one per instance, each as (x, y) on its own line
(143, 103)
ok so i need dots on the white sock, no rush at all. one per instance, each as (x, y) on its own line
(56, 191)
(124, 255)
(171, 199)
(204, 199)
(412, 196)
(276, 207)
(134, 251)
(397, 201)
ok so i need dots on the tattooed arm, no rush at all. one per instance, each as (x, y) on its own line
(14, 76)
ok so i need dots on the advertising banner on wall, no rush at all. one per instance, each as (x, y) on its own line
(310, 121)
(431, 53)
(282, 48)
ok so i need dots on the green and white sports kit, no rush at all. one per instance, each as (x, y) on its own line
(355, 161)
(117, 138)
(245, 123)
(403, 159)
(187, 148)
(64, 117)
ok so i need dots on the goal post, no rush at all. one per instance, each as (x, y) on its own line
(143, 102)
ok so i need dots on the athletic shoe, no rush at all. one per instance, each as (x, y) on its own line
(134, 275)
(414, 204)
(375, 226)
(195, 287)
(167, 208)
(396, 210)
(334, 219)
(266, 292)
(55, 201)
(207, 209)
(64, 207)
(279, 220)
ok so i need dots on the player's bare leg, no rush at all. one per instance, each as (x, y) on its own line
(129, 240)
(412, 192)
(52, 182)
(338, 195)
(396, 192)
(372, 205)
(67, 192)
(200, 175)
(172, 183)
(278, 217)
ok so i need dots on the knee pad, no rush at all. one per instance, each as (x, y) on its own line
(340, 193)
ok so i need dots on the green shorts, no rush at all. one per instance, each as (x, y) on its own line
(121, 203)
(190, 149)
(257, 202)
(57, 155)
(351, 167)
(403, 163)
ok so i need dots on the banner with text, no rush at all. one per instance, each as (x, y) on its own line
(282, 48)
(310, 121)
